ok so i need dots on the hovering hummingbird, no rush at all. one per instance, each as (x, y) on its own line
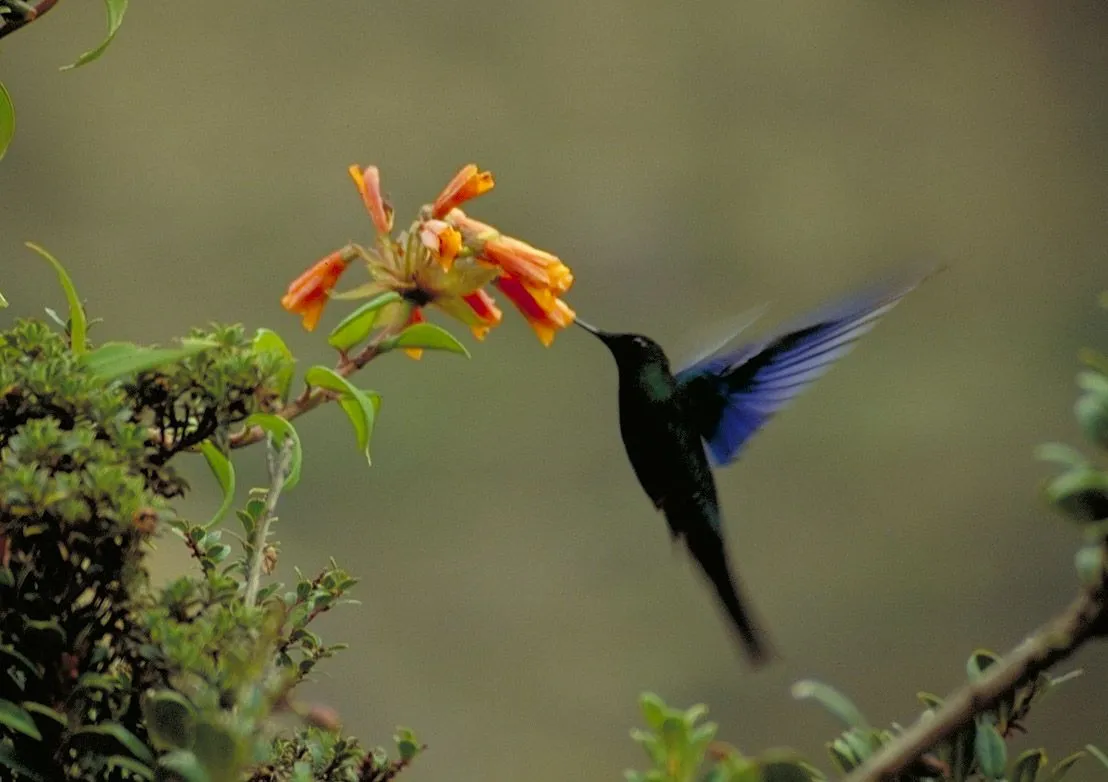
(673, 423)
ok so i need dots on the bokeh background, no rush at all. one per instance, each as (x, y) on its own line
(689, 161)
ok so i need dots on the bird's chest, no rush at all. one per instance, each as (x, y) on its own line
(662, 448)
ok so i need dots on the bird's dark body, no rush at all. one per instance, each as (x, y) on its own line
(668, 458)
(671, 422)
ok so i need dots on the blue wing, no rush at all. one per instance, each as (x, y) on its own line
(730, 396)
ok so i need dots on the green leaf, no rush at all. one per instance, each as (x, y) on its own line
(1089, 561)
(1081, 494)
(978, 662)
(356, 326)
(427, 336)
(184, 764)
(116, 9)
(45, 711)
(125, 737)
(280, 428)
(14, 716)
(653, 710)
(1064, 765)
(170, 720)
(360, 406)
(992, 754)
(131, 765)
(1060, 453)
(10, 761)
(113, 360)
(929, 700)
(224, 473)
(78, 323)
(832, 700)
(268, 341)
(1027, 765)
(3, 301)
(217, 751)
(1098, 754)
(1091, 411)
(784, 771)
(7, 120)
(406, 743)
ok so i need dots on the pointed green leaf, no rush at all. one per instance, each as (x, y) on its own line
(78, 323)
(360, 406)
(268, 341)
(832, 700)
(992, 754)
(170, 720)
(114, 360)
(116, 9)
(184, 764)
(125, 737)
(653, 710)
(978, 662)
(1080, 493)
(1064, 765)
(14, 716)
(427, 336)
(1098, 754)
(7, 120)
(130, 765)
(45, 711)
(10, 761)
(280, 428)
(1027, 765)
(1062, 454)
(3, 301)
(356, 326)
(930, 700)
(224, 473)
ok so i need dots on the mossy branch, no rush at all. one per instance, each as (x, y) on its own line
(1084, 619)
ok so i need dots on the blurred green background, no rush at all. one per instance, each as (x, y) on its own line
(689, 161)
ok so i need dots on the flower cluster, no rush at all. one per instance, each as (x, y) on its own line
(445, 259)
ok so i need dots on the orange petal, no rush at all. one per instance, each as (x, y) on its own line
(416, 316)
(484, 307)
(466, 184)
(531, 265)
(307, 295)
(546, 313)
(442, 239)
(368, 182)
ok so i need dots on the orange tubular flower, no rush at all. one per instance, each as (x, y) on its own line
(445, 260)
(466, 184)
(368, 180)
(546, 313)
(535, 267)
(308, 294)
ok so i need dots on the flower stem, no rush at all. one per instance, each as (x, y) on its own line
(278, 460)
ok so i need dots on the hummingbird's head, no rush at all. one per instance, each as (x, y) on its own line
(629, 349)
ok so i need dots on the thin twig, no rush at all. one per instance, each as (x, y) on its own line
(314, 397)
(1083, 620)
(26, 13)
(278, 473)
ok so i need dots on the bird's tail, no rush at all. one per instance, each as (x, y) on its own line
(709, 550)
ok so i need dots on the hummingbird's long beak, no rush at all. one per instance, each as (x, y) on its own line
(591, 329)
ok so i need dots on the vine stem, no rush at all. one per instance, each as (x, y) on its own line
(278, 460)
(1084, 619)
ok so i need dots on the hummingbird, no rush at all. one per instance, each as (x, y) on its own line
(677, 425)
